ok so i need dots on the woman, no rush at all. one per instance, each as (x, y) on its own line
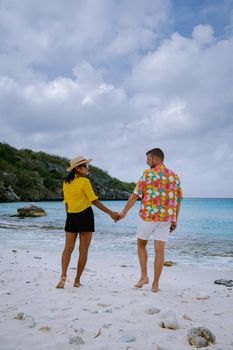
(79, 197)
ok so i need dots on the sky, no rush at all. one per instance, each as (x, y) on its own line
(112, 79)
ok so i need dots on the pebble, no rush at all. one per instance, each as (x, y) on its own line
(127, 338)
(228, 283)
(202, 296)
(45, 329)
(200, 337)
(167, 319)
(163, 346)
(106, 325)
(94, 312)
(108, 311)
(152, 310)
(186, 317)
(103, 305)
(76, 340)
(20, 316)
(31, 322)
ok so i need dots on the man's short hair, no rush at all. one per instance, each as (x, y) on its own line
(156, 152)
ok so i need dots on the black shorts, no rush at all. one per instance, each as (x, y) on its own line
(80, 222)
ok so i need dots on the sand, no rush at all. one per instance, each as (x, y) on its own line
(107, 312)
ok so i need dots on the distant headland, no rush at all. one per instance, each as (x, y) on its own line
(26, 175)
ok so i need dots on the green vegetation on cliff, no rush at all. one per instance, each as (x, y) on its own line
(31, 176)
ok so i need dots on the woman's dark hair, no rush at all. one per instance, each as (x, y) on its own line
(70, 177)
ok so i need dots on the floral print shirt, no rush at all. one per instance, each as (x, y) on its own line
(159, 189)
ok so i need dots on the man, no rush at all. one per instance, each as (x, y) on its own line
(160, 193)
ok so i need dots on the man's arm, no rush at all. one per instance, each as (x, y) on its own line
(131, 201)
(174, 224)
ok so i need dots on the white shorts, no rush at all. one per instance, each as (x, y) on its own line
(155, 230)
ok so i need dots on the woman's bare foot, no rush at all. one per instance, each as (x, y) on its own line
(141, 282)
(61, 283)
(155, 288)
(77, 283)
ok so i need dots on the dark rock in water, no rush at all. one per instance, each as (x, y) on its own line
(31, 211)
(228, 283)
(200, 337)
(169, 263)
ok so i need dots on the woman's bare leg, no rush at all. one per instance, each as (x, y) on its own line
(84, 243)
(69, 247)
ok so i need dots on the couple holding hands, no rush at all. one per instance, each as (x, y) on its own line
(160, 193)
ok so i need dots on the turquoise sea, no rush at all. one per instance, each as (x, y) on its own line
(204, 234)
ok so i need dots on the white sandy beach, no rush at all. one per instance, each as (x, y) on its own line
(107, 312)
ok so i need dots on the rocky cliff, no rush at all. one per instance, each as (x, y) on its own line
(33, 176)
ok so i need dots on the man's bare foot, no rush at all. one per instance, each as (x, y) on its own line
(61, 283)
(141, 282)
(155, 288)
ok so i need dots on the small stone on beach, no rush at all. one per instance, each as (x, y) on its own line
(127, 338)
(45, 329)
(151, 310)
(20, 316)
(76, 340)
(200, 337)
(227, 283)
(186, 317)
(163, 346)
(202, 296)
(168, 319)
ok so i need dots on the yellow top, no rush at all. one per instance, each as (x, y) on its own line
(78, 194)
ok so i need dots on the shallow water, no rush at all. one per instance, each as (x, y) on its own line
(204, 234)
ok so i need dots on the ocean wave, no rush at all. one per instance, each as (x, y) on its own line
(16, 226)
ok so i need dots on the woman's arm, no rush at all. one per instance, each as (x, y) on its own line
(102, 207)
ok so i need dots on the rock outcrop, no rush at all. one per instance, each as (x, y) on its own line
(31, 211)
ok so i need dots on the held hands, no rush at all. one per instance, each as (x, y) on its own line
(117, 216)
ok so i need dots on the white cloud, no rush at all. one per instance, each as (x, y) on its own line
(60, 91)
(53, 37)
(203, 34)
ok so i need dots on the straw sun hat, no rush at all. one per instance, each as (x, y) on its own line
(78, 161)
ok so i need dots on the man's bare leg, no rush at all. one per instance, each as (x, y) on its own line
(142, 255)
(85, 240)
(69, 247)
(158, 264)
